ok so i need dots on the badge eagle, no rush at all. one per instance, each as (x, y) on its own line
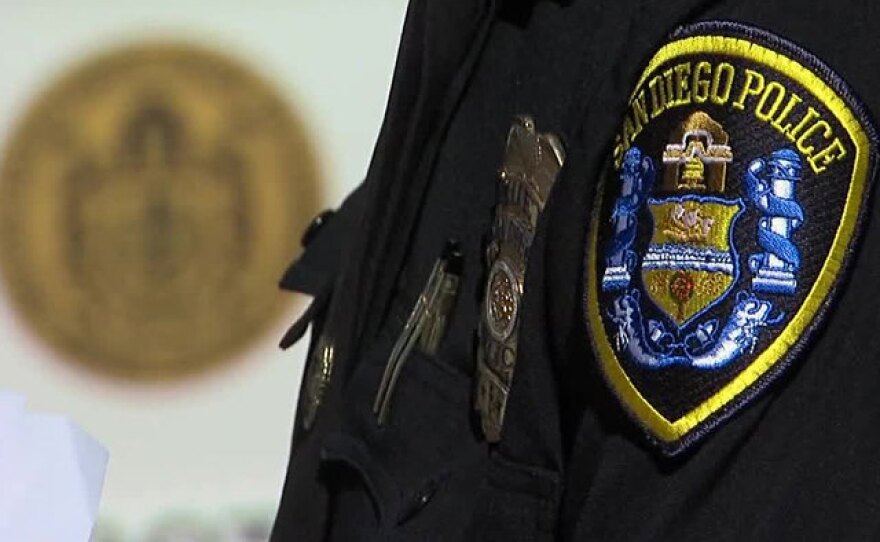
(722, 225)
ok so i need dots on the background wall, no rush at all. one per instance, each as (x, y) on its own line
(212, 450)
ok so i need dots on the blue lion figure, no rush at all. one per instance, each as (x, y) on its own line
(637, 176)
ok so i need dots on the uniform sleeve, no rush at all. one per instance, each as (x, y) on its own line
(314, 272)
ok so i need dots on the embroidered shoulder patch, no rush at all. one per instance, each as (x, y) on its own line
(723, 225)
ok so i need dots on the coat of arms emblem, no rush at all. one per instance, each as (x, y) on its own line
(722, 225)
(691, 263)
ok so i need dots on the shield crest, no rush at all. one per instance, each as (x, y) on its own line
(691, 262)
(723, 223)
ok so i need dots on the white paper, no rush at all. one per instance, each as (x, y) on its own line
(11, 406)
(51, 475)
(11, 460)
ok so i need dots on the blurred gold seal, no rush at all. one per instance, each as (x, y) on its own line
(148, 203)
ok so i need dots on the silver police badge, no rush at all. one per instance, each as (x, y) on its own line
(531, 164)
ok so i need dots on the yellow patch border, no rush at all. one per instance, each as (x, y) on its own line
(671, 431)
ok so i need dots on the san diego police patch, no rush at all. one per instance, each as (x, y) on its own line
(723, 225)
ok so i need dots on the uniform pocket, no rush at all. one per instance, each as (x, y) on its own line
(518, 503)
(420, 469)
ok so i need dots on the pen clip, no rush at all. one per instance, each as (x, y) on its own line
(442, 285)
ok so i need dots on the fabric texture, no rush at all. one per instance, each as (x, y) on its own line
(798, 463)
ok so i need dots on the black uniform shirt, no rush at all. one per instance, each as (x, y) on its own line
(797, 463)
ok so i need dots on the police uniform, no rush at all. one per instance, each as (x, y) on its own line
(610, 276)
